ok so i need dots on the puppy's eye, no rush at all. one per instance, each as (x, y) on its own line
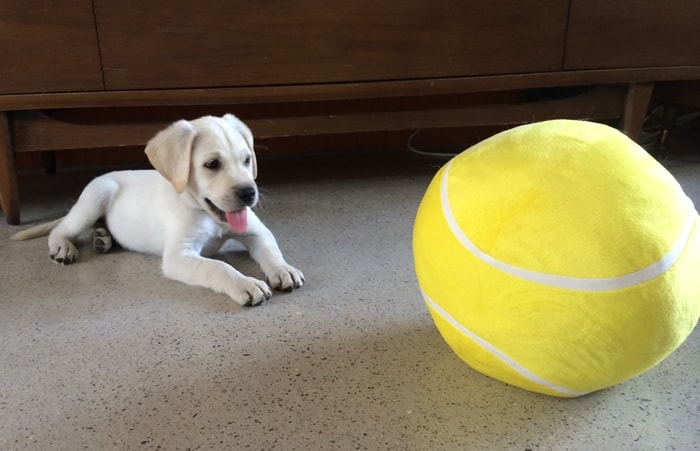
(247, 160)
(213, 164)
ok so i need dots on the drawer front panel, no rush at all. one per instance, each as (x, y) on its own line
(167, 44)
(48, 46)
(606, 34)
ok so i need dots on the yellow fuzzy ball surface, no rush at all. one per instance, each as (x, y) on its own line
(559, 257)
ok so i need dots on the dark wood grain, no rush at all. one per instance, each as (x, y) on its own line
(342, 91)
(48, 46)
(633, 33)
(217, 43)
(34, 131)
(9, 192)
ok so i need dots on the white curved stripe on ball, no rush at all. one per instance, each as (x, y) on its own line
(571, 283)
(500, 355)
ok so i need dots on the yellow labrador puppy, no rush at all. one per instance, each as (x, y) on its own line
(200, 196)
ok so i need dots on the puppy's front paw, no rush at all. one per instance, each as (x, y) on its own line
(62, 251)
(250, 292)
(285, 278)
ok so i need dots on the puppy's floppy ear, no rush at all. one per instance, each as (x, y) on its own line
(254, 162)
(170, 152)
(243, 129)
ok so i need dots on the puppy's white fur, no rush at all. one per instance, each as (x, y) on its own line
(204, 168)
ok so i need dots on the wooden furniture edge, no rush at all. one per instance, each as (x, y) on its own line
(341, 91)
(9, 189)
(35, 131)
(28, 130)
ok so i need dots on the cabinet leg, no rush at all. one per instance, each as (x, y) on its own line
(48, 159)
(9, 191)
(636, 106)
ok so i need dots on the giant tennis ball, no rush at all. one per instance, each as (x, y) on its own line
(559, 257)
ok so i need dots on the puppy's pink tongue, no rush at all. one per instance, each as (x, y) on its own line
(238, 220)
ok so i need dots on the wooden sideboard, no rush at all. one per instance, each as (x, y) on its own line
(106, 73)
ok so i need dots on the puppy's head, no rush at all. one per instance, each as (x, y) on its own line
(211, 159)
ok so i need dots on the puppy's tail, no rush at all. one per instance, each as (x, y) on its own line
(36, 231)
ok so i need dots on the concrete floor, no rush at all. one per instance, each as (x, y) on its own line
(108, 354)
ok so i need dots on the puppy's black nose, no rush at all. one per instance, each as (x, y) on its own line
(246, 194)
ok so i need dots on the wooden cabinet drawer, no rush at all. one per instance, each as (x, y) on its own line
(48, 46)
(215, 43)
(633, 33)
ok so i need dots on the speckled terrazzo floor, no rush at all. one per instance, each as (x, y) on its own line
(107, 354)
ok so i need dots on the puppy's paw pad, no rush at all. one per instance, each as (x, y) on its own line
(102, 240)
(286, 278)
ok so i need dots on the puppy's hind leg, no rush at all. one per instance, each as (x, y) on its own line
(90, 207)
(102, 239)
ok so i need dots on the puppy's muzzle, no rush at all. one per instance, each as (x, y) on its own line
(246, 194)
